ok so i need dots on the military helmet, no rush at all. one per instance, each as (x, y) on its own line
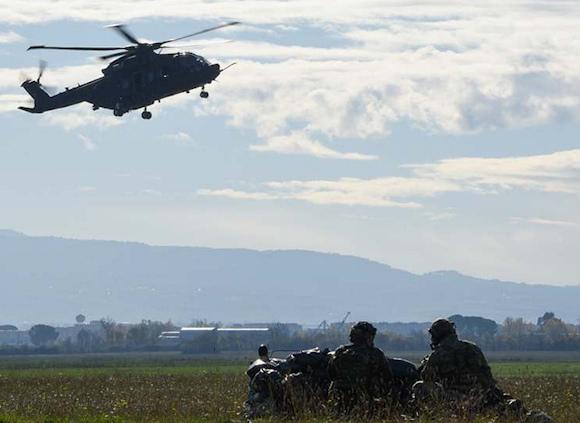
(441, 329)
(362, 331)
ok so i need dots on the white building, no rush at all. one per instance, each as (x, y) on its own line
(14, 338)
(220, 336)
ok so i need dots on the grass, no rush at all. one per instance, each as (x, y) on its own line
(187, 389)
(510, 369)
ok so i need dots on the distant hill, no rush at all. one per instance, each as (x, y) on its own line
(46, 279)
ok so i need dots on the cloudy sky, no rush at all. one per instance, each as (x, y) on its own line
(426, 135)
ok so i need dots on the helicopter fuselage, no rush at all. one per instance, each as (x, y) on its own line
(131, 83)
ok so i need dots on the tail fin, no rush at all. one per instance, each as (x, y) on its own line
(41, 98)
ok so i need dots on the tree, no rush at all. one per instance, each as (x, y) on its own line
(556, 333)
(138, 335)
(204, 343)
(516, 333)
(80, 318)
(474, 327)
(546, 318)
(87, 341)
(42, 334)
(147, 332)
(114, 335)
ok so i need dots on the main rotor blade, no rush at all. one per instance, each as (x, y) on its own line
(75, 48)
(110, 56)
(124, 32)
(195, 33)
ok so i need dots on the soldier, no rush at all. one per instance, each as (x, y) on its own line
(360, 374)
(456, 373)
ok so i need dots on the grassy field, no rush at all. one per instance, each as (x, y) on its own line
(175, 388)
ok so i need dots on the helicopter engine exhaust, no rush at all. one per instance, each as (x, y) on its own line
(41, 97)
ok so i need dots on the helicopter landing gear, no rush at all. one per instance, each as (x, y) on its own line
(118, 110)
(203, 93)
(146, 115)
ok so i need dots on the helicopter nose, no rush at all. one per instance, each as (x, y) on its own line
(214, 70)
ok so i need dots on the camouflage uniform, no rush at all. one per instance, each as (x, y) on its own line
(457, 374)
(360, 375)
(458, 371)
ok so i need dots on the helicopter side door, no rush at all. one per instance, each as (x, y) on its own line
(143, 86)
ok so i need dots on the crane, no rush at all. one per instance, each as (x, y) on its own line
(344, 319)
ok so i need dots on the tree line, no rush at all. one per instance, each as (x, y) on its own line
(548, 333)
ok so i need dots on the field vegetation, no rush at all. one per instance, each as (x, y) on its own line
(167, 388)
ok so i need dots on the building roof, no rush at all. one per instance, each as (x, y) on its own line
(208, 329)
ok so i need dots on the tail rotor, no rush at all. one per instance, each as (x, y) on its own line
(42, 64)
(36, 90)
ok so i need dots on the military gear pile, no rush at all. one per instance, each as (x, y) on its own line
(295, 384)
(358, 380)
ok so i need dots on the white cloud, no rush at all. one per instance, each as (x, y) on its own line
(10, 37)
(70, 119)
(544, 222)
(151, 191)
(271, 11)
(180, 137)
(436, 216)
(379, 192)
(88, 143)
(11, 102)
(554, 173)
(238, 195)
(65, 76)
(300, 143)
(87, 188)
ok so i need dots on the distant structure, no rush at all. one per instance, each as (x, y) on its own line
(80, 319)
(70, 333)
(14, 338)
(214, 338)
(403, 328)
(289, 328)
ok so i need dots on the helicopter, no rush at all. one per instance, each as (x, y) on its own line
(137, 78)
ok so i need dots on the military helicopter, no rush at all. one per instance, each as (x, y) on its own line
(137, 78)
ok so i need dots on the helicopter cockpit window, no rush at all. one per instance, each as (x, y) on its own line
(200, 60)
(187, 61)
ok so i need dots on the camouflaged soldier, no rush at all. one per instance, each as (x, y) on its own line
(456, 373)
(360, 374)
(457, 366)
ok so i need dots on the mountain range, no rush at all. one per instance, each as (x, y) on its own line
(49, 279)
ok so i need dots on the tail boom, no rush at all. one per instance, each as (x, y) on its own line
(41, 98)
